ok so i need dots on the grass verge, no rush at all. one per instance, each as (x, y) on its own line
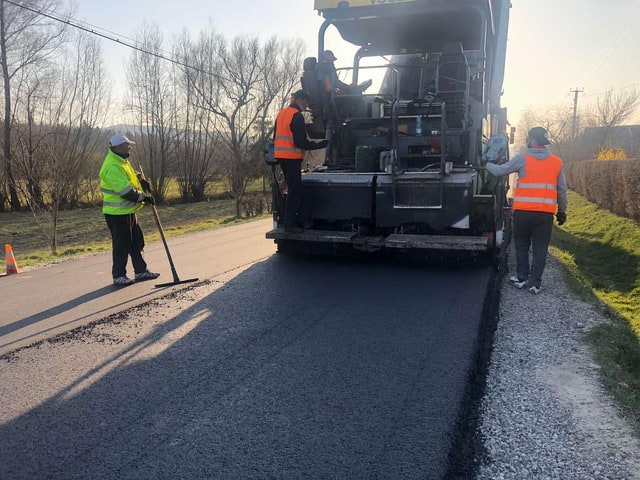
(84, 231)
(601, 251)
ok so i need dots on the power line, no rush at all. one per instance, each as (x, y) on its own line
(79, 25)
(612, 90)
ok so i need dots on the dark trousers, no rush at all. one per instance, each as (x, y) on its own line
(126, 240)
(292, 170)
(531, 229)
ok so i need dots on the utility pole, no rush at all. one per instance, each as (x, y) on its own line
(574, 129)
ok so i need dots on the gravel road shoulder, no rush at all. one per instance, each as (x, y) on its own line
(545, 413)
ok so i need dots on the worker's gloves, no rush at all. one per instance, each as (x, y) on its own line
(148, 199)
(146, 186)
(561, 217)
(323, 144)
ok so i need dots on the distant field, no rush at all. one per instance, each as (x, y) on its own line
(84, 231)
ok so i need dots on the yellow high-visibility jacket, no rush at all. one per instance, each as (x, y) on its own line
(117, 178)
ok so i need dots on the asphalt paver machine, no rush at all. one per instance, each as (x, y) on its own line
(404, 169)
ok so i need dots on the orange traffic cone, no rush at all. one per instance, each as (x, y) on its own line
(10, 260)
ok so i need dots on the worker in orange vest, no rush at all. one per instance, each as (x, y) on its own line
(540, 193)
(290, 142)
(330, 76)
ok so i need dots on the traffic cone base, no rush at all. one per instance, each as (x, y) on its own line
(10, 260)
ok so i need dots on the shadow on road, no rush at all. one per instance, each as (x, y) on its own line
(60, 309)
(298, 367)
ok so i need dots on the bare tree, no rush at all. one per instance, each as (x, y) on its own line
(558, 121)
(27, 38)
(61, 139)
(152, 101)
(611, 110)
(199, 138)
(249, 85)
(83, 106)
(26, 136)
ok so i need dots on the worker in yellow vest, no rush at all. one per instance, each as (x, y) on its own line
(540, 193)
(290, 142)
(122, 196)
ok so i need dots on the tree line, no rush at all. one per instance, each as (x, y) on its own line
(204, 115)
(591, 131)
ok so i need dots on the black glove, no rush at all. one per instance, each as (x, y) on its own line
(323, 144)
(146, 186)
(561, 217)
(148, 199)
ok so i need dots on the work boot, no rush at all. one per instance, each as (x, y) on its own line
(122, 281)
(516, 282)
(141, 277)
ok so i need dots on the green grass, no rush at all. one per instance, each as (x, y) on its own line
(601, 251)
(84, 231)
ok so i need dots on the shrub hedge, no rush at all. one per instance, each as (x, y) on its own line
(612, 184)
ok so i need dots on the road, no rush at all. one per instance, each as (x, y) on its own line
(283, 367)
(43, 302)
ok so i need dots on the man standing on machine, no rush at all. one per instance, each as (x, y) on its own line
(290, 143)
(122, 196)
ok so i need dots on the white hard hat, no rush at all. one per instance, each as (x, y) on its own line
(119, 139)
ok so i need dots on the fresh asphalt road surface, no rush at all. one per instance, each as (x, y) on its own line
(294, 368)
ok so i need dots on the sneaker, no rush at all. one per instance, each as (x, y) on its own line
(141, 277)
(535, 290)
(516, 282)
(122, 281)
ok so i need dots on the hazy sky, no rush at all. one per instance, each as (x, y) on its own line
(554, 45)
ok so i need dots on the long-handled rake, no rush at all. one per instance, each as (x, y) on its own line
(176, 279)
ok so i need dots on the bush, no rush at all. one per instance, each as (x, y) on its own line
(612, 184)
(256, 204)
(611, 154)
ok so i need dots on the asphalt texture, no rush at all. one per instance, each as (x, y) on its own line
(294, 368)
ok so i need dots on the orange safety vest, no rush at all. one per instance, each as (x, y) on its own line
(537, 191)
(283, 146)
(328, 81)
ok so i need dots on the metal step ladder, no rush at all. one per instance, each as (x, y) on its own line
(419, 187)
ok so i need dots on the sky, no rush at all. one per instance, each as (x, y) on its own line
(554, 46)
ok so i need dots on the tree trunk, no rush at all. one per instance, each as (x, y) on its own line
(11, 183)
